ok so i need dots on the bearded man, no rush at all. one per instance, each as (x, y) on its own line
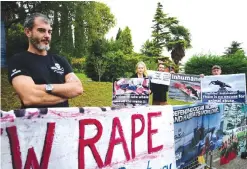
(41, 79)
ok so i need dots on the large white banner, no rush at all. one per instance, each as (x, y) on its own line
(88, 138)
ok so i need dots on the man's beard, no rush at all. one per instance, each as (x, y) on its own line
(36, 43)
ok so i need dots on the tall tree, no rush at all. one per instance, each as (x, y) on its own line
(177, 41)
(148, 48)
(118, 33)
(124, 41)
(158, 33)
(55, 41)
(92, 21)
(98, 55)
(67, 44)
(98, 22)
(235, 46)
(81, 47)
(168, 33)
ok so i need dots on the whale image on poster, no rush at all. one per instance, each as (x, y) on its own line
(185, 87)
(224, 89)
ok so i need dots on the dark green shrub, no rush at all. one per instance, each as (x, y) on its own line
(119, 65)
(202, 64)
(78, 64)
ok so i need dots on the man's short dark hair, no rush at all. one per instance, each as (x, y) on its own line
(29, 21)
(216, 67)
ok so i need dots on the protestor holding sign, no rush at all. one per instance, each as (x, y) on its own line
(141, 72)
(216, 70)
(160, 90)
(41, 79)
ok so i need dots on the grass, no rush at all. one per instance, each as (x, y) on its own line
(96, 94)
(83, 77)
(9, 99)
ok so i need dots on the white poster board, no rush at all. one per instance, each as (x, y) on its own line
(159, 77)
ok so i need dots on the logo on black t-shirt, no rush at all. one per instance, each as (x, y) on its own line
(14, 71)
(57, 68)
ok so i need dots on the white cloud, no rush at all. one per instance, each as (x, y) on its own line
(213, 23)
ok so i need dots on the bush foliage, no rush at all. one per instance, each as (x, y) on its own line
(202, 64)
(78, 64)
(121, 65)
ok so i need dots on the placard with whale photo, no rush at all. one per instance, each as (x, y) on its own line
(185, 87)
(224, 88)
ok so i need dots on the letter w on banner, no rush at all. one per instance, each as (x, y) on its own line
(87, 138)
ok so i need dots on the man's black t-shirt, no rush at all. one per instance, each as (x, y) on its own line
(49, 69)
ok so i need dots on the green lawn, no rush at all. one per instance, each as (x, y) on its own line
(95, 94)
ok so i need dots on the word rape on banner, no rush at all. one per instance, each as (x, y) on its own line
(224, 88)
(86, 138)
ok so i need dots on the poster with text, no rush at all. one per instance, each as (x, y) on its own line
(197, 129)
(88, 138)
(224, 89)
(158, 77)
(185, 87)
(131, 92)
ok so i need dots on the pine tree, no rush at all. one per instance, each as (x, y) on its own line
(124, 42)
(235, 46)
(158, 33)
(169, 34)
(118, 33)
(148, 48)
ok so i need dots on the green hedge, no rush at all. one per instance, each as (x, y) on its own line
(202, 64)
(78, 64)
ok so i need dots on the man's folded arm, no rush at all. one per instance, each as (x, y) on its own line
(32, 94)
(70, 89)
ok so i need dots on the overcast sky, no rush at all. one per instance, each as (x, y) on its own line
(213, 24)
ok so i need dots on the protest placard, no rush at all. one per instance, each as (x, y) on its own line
(130, 92)
(224, 88)
(87, 138)
(158, 77)
(185, 87)
(197, 129)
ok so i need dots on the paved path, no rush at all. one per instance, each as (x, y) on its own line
(237, 163)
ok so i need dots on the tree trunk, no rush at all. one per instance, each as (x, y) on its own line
(177, 53)
(99, 77)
